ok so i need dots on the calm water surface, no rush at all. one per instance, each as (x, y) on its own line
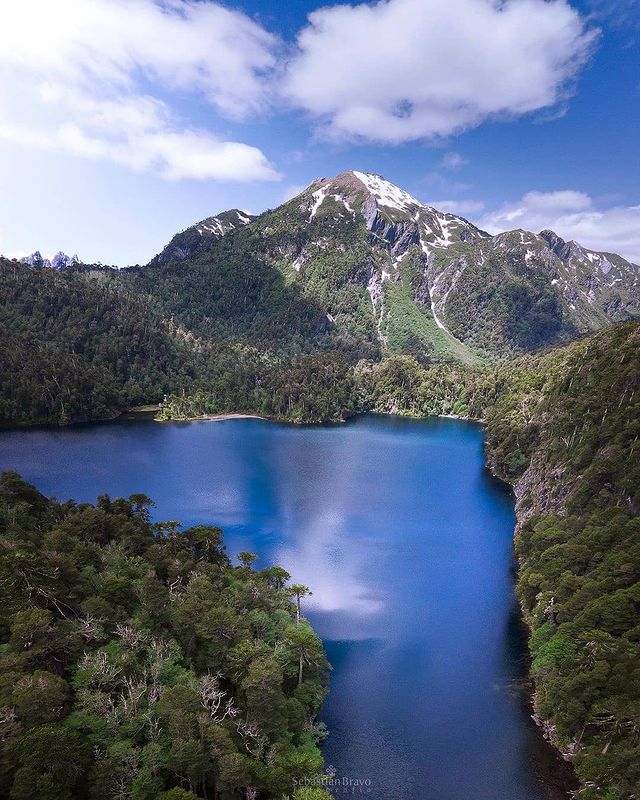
(406, 543)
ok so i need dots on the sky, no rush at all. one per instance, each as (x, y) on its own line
(124, 121)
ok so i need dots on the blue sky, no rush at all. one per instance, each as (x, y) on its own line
(123, 121)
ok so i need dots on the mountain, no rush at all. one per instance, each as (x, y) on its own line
(59, 261)
(358, 265)
(495, 294)
(186, 242)
(394, 275)
(271, 313)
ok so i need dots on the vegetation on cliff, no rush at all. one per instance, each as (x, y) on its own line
(565, 431)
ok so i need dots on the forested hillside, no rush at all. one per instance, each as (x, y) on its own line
(80, 345)
(76, 346)
(565, 432)
(137, 661)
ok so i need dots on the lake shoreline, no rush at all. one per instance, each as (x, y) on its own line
(216, 418)
(560, 776)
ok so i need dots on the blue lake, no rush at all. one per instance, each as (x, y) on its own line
(406, 542)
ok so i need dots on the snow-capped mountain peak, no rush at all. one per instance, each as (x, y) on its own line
(59, 261)
(386, 193)
(388, 211)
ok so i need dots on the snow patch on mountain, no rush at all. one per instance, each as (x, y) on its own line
(387, 194)
(59, 261)
(213, 226)
(320, 195)
(317, 199)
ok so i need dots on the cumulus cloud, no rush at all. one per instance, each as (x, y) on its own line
(72, 82)
(136, 132)
(462, 208)
(182, 43)
(399, 70)
(572, 215)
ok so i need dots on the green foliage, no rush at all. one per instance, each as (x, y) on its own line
(401, 385)
(80, 347)
(136, 661)
(569, 420)
(408, 323)
(514, 304)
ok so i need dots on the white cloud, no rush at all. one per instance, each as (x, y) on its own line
(400, 70)
(464, 208)
(184, 44)
(453, 161)
(292, 191)
(572, 215)
(73, 74)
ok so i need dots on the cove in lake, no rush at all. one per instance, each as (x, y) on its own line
(406, 542)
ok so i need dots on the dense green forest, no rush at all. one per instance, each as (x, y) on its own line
(79, 345)
(565, 431)
(136, 661)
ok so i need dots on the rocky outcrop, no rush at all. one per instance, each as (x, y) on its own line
(59, 261)
(191, 239)
(542, 489)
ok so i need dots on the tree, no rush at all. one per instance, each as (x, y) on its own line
(176, 794)
(134, 663)
(305, 648)
(247, 559)
(52, 764)
(277, 576)
(298, 590)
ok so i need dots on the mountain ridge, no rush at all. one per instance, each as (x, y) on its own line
(435, 266)
(352, 265)
(188, 240)
(59, 261)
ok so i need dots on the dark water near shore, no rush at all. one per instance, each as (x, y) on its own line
(406, 542)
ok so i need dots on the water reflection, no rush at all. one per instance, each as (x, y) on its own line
(406, 543)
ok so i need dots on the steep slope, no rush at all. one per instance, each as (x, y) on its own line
(528, 291)
(188, 241)
(564, 431)
(608, 283)
(393, 275)
(354, 246)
